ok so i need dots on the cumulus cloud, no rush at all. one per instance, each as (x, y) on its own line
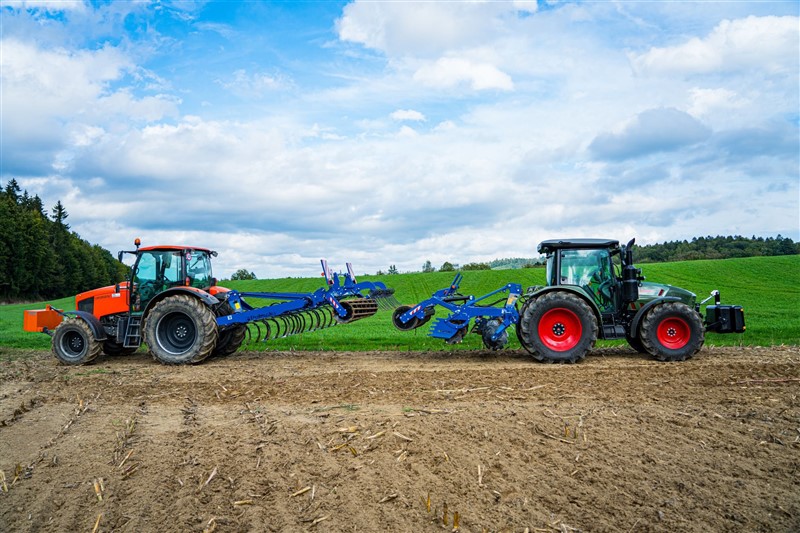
(704, 101)
(449, 72)
(761, 43)
(417, 28)
(408, 114)
(652, 131)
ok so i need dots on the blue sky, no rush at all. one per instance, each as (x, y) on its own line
(393, 133)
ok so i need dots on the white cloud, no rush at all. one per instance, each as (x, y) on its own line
(408, 114)
(53, 6)
(449, 72)
(256, 84)
(705, 101)
(762, 43)
(418, 28)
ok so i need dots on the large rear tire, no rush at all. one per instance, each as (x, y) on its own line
(74, 342)
(672, 332)
(180, 329)
(558, 327)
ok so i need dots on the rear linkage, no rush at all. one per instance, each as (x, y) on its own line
(341, 302)
(491, 320)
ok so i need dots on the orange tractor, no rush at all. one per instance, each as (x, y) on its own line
(173, 304)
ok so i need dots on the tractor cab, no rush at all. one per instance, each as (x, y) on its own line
(158, 268)
(585, 263)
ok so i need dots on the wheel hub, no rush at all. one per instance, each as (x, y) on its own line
(559, 329)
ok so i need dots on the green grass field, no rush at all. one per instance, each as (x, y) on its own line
(767, 287)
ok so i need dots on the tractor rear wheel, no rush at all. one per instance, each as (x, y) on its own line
(558, 327)
(180, 329)
(74, 342)
(672, 332)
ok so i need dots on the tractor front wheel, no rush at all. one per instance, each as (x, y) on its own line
(558, 327)
(74, 342)
(180, 329)
(672, 332)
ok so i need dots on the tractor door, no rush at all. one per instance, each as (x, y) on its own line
(154, 272)
(590, 269)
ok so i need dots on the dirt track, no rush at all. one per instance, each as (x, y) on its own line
(402, 442)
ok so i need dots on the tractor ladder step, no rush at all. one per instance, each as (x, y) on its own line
(133, 332)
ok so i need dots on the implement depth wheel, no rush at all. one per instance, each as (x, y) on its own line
(180, 329)
(672, 332)
(558, 327)
(74, 342)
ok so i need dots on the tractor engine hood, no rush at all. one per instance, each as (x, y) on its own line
(650, 291)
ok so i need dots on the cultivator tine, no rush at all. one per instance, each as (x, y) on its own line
(385, 299)
(289, 324)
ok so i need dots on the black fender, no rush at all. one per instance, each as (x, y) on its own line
(574, 289)
(201, 295)
(97, 328)
(634, 328)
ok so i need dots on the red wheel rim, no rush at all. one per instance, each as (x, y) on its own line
(673, 333)
(560, 329)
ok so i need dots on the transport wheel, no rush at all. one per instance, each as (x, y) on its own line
(111, 347)
(74, 342)
(411, 324)
(672, 332)
(558, 327)
(180, 329)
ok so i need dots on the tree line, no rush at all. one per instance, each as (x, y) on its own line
(718, 247)
(41, 258)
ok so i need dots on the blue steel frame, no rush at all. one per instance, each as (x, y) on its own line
(460, 315)
(244, 313)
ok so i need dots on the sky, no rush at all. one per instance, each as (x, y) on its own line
(397, 132)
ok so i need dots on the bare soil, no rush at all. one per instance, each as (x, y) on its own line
(388, 441)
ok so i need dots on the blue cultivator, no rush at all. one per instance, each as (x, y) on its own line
(491, 320)
(292, 313)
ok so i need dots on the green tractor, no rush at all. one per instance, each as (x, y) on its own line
(595, 292)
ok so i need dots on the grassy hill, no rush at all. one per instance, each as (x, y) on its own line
(767, 287)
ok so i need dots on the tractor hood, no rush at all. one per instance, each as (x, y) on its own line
(650, 291)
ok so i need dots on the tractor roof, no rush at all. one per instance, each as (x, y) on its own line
(167, 248)
(546, 247)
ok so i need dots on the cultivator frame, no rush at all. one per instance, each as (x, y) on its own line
(293, 313)
(491, 320)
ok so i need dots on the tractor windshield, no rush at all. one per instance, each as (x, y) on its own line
(198, 269)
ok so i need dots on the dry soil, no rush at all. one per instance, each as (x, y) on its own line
(388, 441)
